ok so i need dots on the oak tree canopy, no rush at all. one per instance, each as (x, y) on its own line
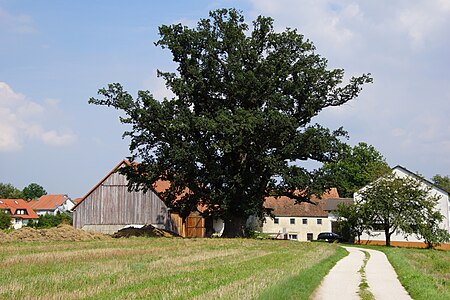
(240, 121)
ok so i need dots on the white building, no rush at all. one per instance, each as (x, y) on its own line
(397, 238)
(302, 222)
(52, 204)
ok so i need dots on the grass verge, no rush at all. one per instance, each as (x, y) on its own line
(425, 273)
(303, 284)
(164, 268)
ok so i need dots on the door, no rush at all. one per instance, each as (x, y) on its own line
(195, 226)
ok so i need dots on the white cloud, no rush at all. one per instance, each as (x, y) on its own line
(420, 19)
(16, 23)
(405, 45)
(319, 20)
(156, 85)
(54, 138)
(8, 138)
(22, 119)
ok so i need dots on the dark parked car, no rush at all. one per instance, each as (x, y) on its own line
(330, 237)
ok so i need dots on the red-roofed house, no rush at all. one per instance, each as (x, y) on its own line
(303, 221)
(20, 211)
(52, 204)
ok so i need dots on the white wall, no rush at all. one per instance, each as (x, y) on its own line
(18, 223)
(443, 206)
(301, 230)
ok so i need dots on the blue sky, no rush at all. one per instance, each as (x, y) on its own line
(54, 55)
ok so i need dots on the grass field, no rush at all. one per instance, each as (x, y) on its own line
(152, 268)
(424, 273)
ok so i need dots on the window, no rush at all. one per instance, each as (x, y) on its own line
(309, 236)
(305, 221)
(293, 236)
(292, 221)
(276, 221)
(17, 221)
(319, 221)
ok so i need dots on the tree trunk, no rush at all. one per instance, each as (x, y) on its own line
(388, 237)
(234, 227)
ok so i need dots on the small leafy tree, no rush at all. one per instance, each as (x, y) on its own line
(239, 124)
(400, 204)
(352, 220)
(429, 228)
(33, 191)
(5, 220)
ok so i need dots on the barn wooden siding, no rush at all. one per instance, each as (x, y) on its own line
(193, 226)
(110, 203)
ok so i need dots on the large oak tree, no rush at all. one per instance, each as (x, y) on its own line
(239, 123)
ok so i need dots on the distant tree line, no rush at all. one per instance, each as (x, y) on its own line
(32, 191)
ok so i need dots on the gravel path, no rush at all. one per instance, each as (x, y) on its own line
(344, 278)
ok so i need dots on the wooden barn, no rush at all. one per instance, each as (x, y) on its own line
(109, 207)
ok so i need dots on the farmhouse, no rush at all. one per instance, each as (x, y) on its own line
(398, 239)
(52, 204)
(302, 222)
(21, 213)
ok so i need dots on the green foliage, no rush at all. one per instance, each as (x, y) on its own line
(239, 122)
(5, 220)
(429, 229)
(49, 220)
(442, 182)
(8, 191)
(33, 191)
(356, 167)
(353, 220)
(423, 272)
(401, 204)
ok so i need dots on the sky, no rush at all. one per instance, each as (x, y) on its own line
(55, 55)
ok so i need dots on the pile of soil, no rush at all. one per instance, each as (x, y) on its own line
(62, 232)
(147, 231)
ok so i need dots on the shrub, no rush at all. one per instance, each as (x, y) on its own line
(48, 220)
(5, 220)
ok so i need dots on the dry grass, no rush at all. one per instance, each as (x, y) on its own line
(62, 232)
(154, 268)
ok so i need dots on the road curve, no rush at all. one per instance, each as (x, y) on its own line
(342, 282)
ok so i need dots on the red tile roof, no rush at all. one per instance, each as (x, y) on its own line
(48, 202)
(77, 200)
(286, 207)
(15, 204)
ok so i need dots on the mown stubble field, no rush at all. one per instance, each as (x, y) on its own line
(164, 268)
